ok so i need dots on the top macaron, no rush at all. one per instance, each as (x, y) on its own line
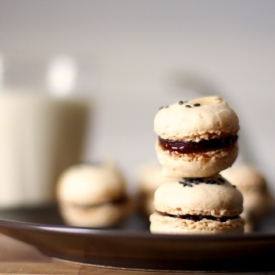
(196, 138)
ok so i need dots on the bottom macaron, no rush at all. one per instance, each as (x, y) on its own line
(197, 205)
(163, 223)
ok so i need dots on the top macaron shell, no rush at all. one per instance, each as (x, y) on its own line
(90, 184)
(196, 119)
(202, 198)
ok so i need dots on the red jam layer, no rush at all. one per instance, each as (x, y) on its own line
(182, 147)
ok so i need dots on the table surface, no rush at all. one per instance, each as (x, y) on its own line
(19, 258)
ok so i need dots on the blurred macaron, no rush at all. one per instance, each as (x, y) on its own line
(149, 178)
(93, 195)
(256, 194)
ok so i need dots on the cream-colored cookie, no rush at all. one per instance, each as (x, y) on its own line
(149, 178)
(92, 195)
(253, 186)
(197, 138)
(197, 205)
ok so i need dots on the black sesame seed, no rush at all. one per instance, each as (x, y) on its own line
(234, 186)
(188, 106)
(196, 104)
(184, 183)
(221, 179)
(210, 181)
(160, 107)
(181, 102)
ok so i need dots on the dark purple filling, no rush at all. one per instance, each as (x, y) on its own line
(181, 147)
(117, 201)
(197, 218)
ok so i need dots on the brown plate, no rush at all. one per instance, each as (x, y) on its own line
(133, 246)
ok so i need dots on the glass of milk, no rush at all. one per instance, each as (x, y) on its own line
(43, 130)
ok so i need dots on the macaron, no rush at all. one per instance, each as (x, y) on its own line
(254, 188)
(93, 195)
(149, 178)
(197, 205)
(196, 138)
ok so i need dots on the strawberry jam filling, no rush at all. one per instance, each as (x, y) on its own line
(182, 147)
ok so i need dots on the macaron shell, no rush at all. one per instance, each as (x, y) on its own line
(212, 118)
(253, 186)
(169, 225)
(150, 177)
(196, 165)
(246, 177)
(90, 184)
(256, 206)
(216, 200)
(101, 216)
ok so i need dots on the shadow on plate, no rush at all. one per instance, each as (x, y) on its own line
(50, 216)
(136, 221)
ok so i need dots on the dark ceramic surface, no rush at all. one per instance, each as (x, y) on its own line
(133, 246)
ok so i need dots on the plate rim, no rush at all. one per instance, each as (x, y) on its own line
(26, 231)
(44, 227)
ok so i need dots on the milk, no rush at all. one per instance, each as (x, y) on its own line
(39, 137)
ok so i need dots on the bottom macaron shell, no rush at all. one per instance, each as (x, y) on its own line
(195, 165)
(106, 215)
(172, 225)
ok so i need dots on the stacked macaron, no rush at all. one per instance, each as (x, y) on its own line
(197, 139)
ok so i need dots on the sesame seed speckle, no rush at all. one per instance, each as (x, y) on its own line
(184, 183)
(190, 182)
(197, 104)
(187, 106)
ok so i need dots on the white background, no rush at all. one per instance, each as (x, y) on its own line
(145, 54)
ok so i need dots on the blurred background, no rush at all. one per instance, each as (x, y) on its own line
(138, 55)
